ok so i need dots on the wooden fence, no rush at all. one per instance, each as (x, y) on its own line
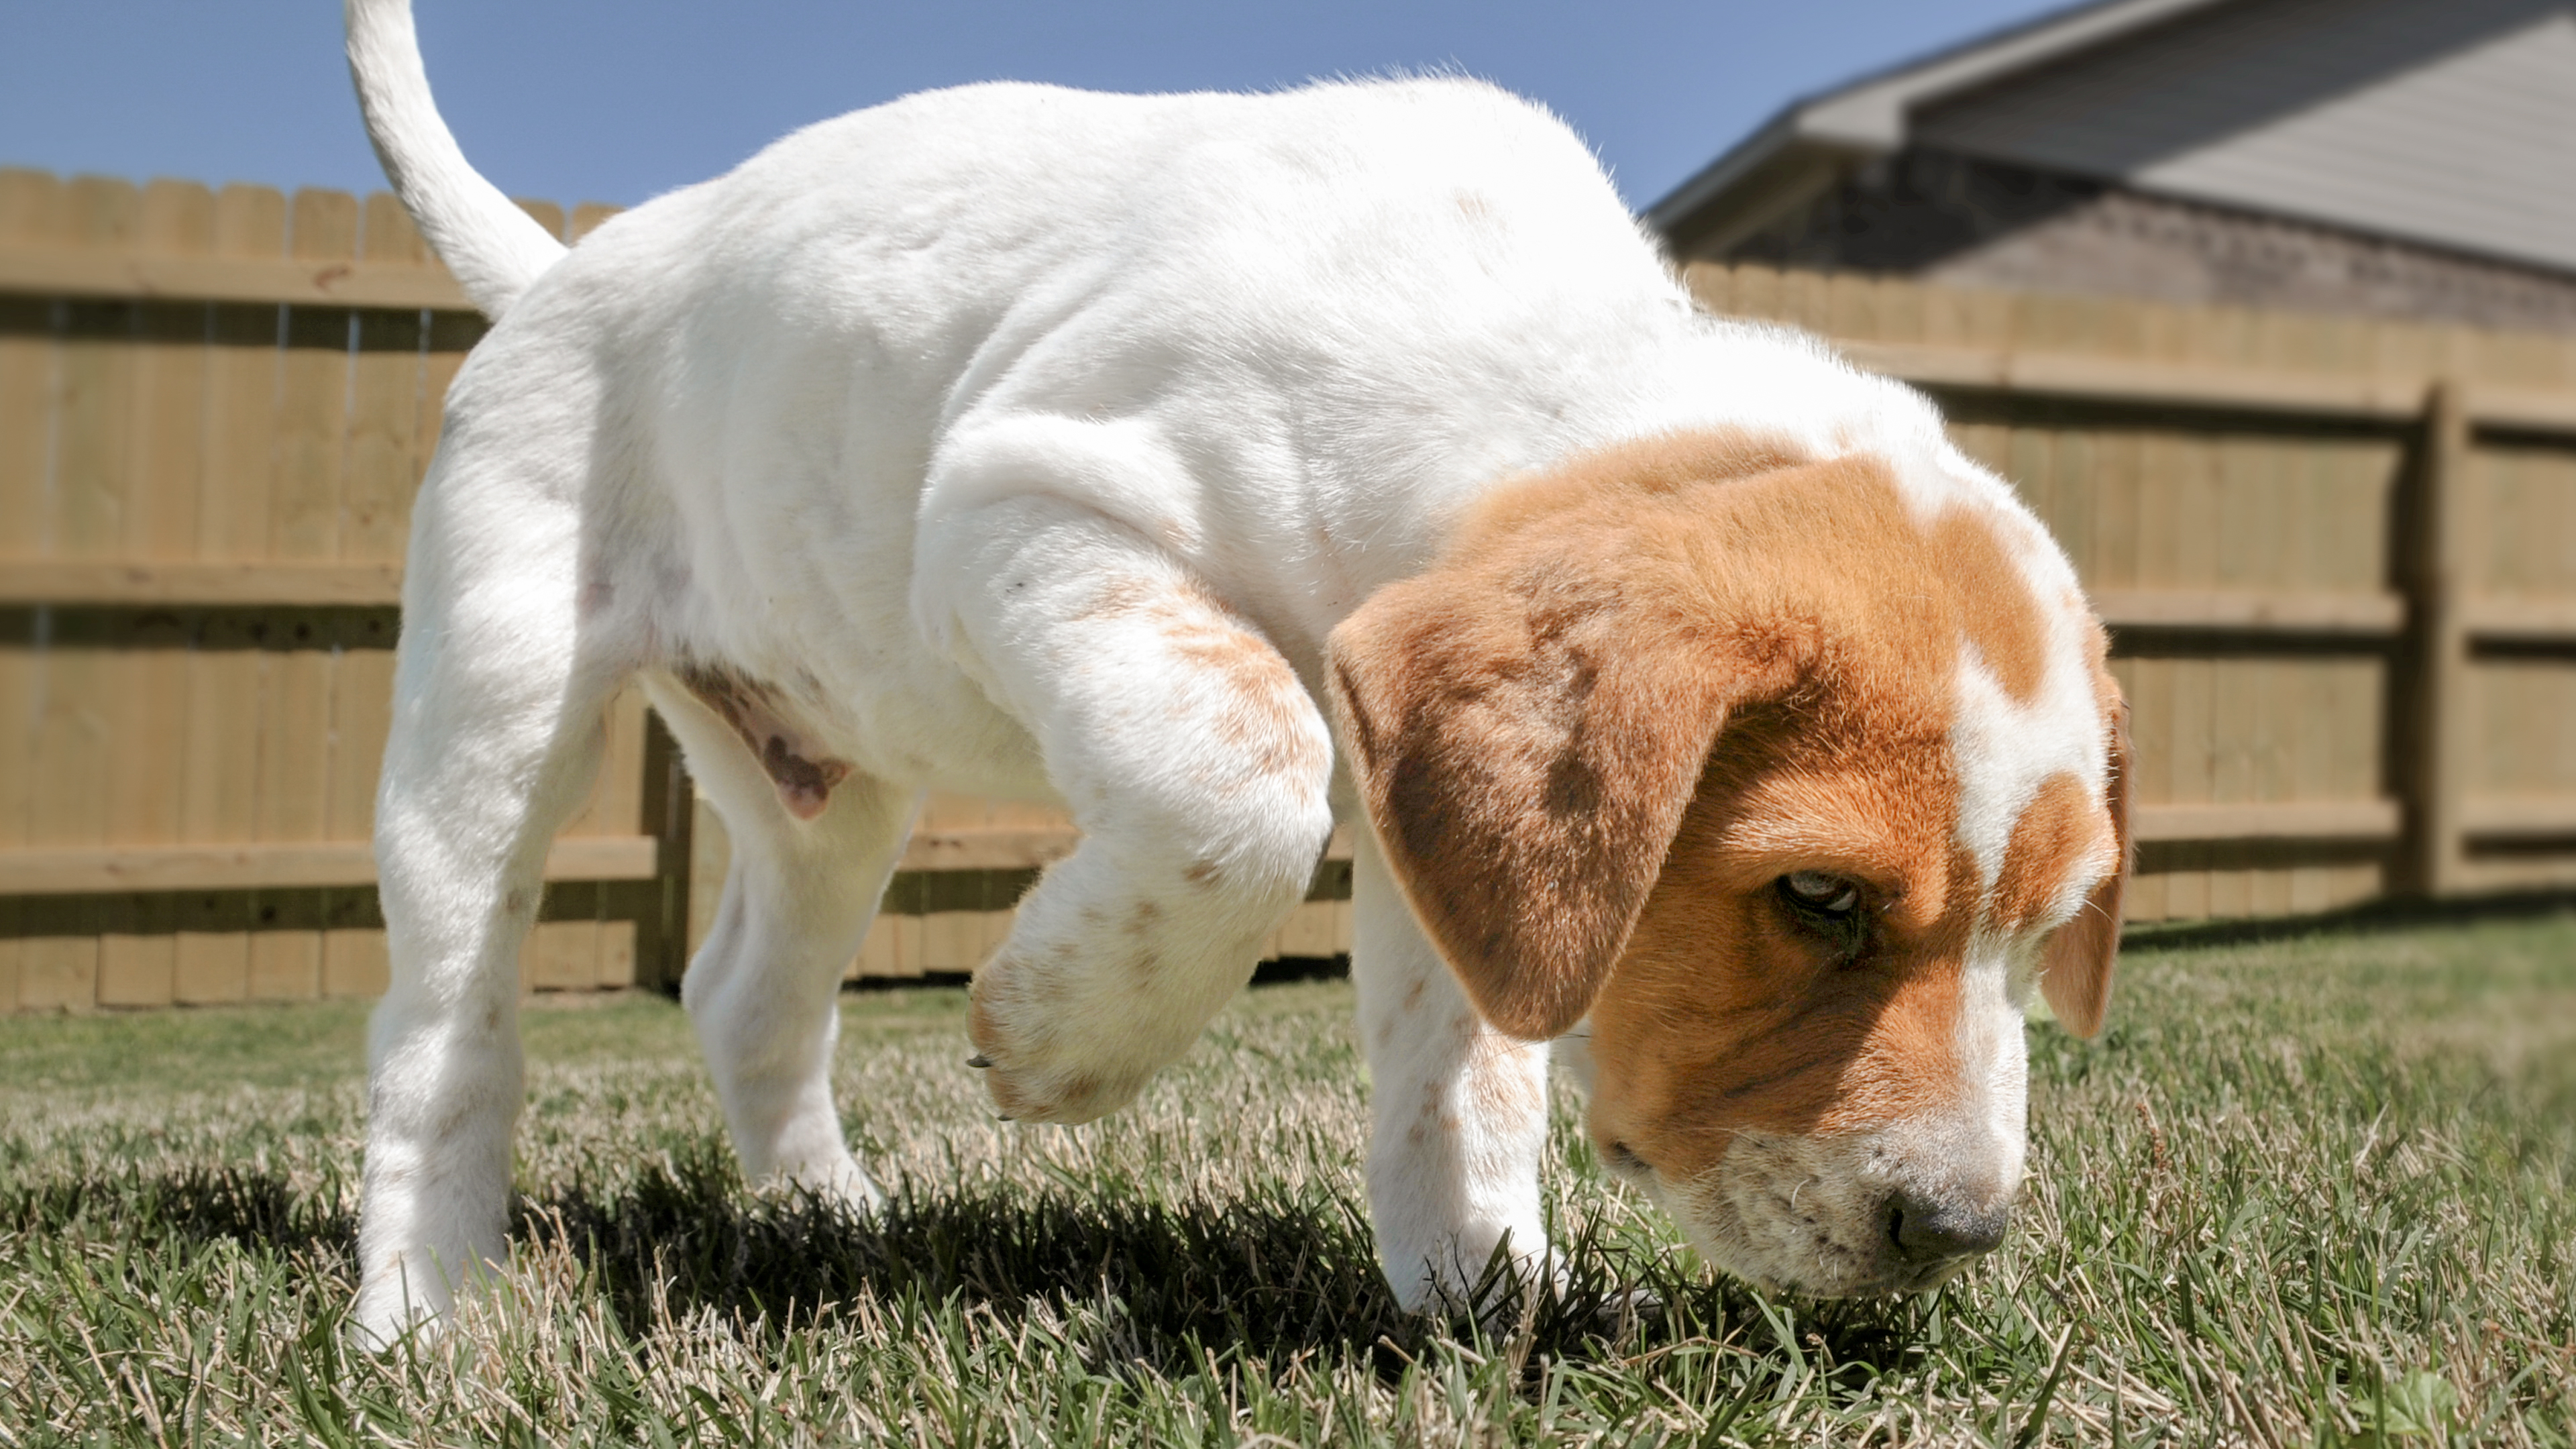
(2340, 559)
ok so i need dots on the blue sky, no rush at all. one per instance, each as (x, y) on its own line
(614, 100)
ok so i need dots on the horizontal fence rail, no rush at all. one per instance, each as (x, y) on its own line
(2338, 559)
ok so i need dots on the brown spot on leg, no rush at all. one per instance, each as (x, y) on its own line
(1142, 921)
(1205, 873)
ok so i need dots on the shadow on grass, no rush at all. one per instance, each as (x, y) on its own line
(1274, 1275)
(2394, 913)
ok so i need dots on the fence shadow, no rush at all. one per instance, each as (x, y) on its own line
(2397, 913)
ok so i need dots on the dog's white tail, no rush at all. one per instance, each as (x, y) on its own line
(494, 248)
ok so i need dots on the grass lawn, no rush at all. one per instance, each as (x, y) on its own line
(2306, 1191)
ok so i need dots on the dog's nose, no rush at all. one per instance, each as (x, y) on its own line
(1928, 1230)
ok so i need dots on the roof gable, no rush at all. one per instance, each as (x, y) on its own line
(2448, 122)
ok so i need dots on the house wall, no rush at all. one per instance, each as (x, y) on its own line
(2443, 122)
(1939, 216)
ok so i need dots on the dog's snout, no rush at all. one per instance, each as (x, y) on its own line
(1927, 1230)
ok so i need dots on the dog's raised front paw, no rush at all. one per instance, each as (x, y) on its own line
(1047, 1055)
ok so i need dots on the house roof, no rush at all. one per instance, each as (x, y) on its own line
(2450, 122)
(1810, 141)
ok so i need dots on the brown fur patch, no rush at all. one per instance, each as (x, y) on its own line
(2075, 970)
(1263, 718)
(1996, 609)
(1528, 720)
(2059, 826)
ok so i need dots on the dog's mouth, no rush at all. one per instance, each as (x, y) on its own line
(1810, 1217)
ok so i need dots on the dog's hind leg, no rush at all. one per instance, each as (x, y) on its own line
(798, 897)
(502, 681)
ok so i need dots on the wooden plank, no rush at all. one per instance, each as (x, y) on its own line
(219, 584)
(285, 965)
(1314, 928)
(2271, 820)
(21, 682)
(61, 271)
(2531, 621)
(560, 956)
(2146, 896)
(177, 218)
(58, 973)
(313, 391)
(616, 955)
(362, 702)
(2130, 382)
(1015, 847)
(1002, 848)
(213, 952)
(145, 709)
(93, 430)
(386, 413)
(74, 870)
(71, 761)
(13, 954)
(250, 221)
(293, 801)
(892, 948)
(137, 971)
(355, 963)
(615, 802)
(2519, 815)
(2253, 611)
(137, 952)
(31, 204)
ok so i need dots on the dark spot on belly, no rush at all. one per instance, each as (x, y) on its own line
(804, 776)
(804, 785)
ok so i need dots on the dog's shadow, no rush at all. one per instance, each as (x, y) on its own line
(1275, 1275)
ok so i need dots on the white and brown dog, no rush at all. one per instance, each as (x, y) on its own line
(1092, 449)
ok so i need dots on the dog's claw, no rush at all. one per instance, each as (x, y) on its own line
(1002, 1117)
(979, 1061)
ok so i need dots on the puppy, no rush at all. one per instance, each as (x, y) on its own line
(1094, 449)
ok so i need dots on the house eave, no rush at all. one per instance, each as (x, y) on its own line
(1813, 141)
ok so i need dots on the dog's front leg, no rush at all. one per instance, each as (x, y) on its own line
(1189, 753)
(1458, 1111)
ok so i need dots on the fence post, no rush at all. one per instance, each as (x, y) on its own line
(663, 952)
(2433, 571)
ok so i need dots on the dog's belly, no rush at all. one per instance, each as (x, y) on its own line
(817, 713)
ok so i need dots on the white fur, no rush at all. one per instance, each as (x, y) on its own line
(1021, 442)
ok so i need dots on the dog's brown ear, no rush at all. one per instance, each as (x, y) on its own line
(1525, 741)
(2075, 972)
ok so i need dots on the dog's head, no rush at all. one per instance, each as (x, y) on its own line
(1793, 778)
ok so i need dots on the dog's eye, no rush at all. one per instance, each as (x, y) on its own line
(1814, 890)
(1829, 908)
